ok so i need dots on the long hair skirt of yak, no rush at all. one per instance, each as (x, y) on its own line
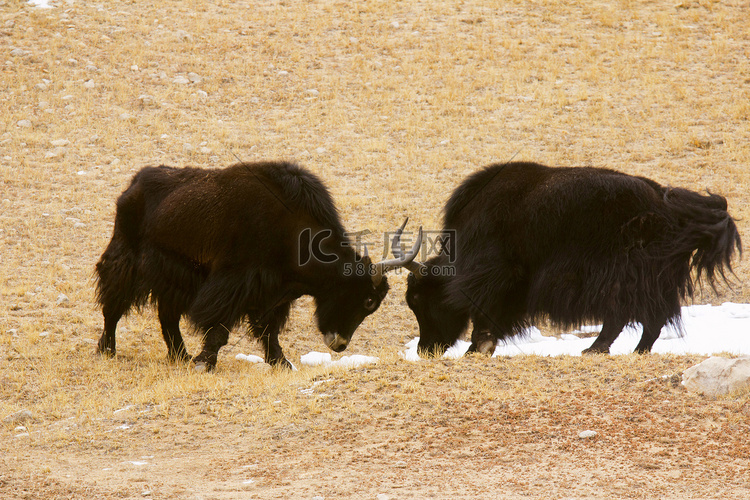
(525, 242)
(237, 244)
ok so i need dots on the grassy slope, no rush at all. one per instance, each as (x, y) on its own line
(392, 104)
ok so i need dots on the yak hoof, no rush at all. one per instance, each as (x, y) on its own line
(106, 352)
(203, 367)
(282, 364)
(182, 357)
(595, 350)
(486, 347)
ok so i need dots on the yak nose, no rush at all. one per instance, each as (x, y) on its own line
(336, 342)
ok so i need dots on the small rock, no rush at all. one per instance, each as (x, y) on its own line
(145, 100)
(382, 496)
(23, 123)
(180, 80)
(320, 150)
(283, 73)
(184, 36)
(194, 77)
(60, 142)
(89, 84)
(400, 464)
(717, 376)
(19, 417)
(19, 52)
(62, 300)
(587, 434)
(202, 94)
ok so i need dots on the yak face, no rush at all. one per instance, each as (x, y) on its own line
(440, 324)
(347, 303)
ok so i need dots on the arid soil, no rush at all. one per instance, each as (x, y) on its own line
(392, 104)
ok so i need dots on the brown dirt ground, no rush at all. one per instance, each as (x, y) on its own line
(392, 104)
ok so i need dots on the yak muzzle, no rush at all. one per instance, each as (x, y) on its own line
(335, 342)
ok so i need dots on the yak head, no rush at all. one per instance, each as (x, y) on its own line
(360, 288)
(440, 324)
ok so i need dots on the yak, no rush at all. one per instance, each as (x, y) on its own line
(222, 246)
(526, 242)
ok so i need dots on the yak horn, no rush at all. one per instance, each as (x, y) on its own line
(398, 251)
(401, 260)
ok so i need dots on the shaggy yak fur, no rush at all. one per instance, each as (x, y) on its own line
(569, 245)
(221, 246)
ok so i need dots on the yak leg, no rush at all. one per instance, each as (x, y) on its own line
(482, 339)
(215, 338)
(107, 342)
(267, 329)
(651, 331)
(610, 331)
(169, 317)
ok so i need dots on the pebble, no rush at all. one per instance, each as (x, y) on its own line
(89, 84)
(587, 434)
(382, 496)
(18, 417)
(58, 143)
(181, 80)
(146, 100)
(23, 123)
(62, 299)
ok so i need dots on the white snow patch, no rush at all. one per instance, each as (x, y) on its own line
(250, 358)
(42, 4)
(323, 358)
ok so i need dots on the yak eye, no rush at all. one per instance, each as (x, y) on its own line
(370, 303)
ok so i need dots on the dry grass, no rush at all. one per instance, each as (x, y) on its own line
(392, 104)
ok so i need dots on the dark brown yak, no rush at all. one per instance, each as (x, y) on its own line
(241, 243)
(571, 245)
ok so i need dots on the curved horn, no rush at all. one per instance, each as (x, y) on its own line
(398, 251)
(401, 260)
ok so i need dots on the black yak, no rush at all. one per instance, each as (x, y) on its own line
(226, 245)
(569, 245)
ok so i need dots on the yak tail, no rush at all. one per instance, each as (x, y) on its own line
(118, 284)
(707, 232)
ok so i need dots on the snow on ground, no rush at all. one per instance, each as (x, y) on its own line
(707, 330)
(42, 4)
